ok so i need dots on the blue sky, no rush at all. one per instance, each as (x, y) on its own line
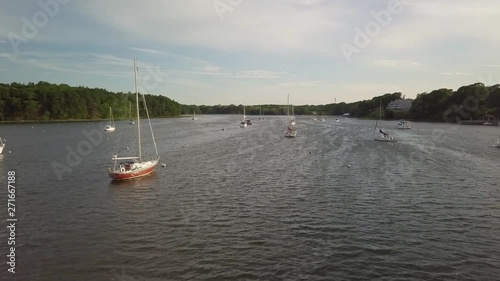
(235, 51)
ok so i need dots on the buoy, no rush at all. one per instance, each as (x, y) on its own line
(348, 165)
(128, 148)
(10, 151)
(163, 165)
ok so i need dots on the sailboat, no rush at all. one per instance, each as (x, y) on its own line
(403, 125)
(243, 123)
(194, 115)
(382, 136)
(292, 122)
(260, 114)
(2, 145)
(290, 131)
(133, 167)
(131, 122)
(111, 126)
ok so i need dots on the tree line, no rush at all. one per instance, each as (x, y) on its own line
(475, 101)
(45, 101)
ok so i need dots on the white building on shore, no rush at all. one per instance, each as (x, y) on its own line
(401, 104)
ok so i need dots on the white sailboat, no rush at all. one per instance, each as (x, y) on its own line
(194, 115)
(403, 125)
(290, 131)
(243, 123)
(111, 126)
(385, 137)
(2, 145)
(131, 122)
(260, 113)
(127, 168)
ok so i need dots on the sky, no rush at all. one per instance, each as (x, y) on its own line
(253, 51)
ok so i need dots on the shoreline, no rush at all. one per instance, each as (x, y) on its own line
(74, 120)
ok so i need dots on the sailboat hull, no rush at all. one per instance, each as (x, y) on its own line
(146, 168)
(383, 139)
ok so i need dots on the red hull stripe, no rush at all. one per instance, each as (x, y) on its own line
(129, 176)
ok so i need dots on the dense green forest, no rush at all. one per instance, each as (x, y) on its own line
(473, 101)
(44, 101)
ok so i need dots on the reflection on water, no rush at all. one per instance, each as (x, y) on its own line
(249, 204)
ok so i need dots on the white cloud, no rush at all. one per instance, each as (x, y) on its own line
(396, 63)
(285, 26)
(456, 73)
(261, 74)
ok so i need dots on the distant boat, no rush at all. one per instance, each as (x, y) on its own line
(337, 120)
(111, 126)
(194, 115)
(243, 123)
(290, 131)
(260, 110)
(2, 145)
(403, 125)
(135, 167)
(383, 136)
(131, 121)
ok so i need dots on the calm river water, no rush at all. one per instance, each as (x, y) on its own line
(249, 204)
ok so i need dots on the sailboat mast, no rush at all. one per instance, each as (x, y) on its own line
(137, 107)
(288, 105)
(380, 110)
